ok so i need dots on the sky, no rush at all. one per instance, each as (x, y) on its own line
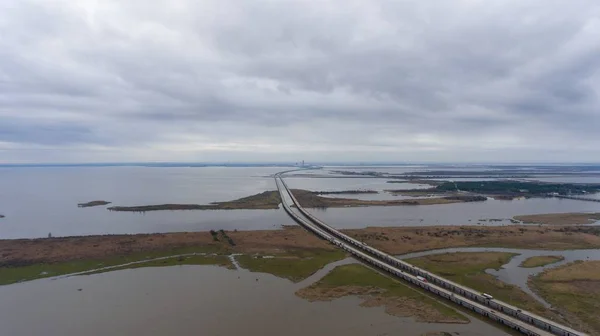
(255, 80)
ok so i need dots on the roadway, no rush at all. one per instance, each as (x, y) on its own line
(525, 322)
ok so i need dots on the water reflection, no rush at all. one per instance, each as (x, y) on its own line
(38, 201)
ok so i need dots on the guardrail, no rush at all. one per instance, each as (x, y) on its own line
(527, 317)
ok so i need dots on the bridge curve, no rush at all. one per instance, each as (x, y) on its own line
(518, 319)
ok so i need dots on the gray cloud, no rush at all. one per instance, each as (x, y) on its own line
(262, 80)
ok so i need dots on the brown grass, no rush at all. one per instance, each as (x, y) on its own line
(538, 261)
(574, 290)
(468, 268)
(265, 200)
(20, 252)
(396, 240)
(561, 218)
(587, 271)
(400, 240)
(309, 199)
(378, 290)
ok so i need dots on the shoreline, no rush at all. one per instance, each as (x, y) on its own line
(290, 253)
(573, 290)
(309, 199)
(394, 240)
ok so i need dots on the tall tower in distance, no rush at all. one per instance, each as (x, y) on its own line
(302, 163)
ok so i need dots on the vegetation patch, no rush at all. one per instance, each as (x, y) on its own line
(293, 265)
(538, 261)
(10, 275)
(309, 199)
(401, 240)
(221, 236)
(574, 290)
(468, 268)
(265, 200)
(210, 259)
(561, 218)
(378, 290)
(502, 190)
(25, 252)
(92, 204)
(518, 187)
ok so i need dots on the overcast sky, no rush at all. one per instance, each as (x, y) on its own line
(254, 80)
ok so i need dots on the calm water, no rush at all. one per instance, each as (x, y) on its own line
(336, 184)
(448, 214)
(194, 300)
(38, 201)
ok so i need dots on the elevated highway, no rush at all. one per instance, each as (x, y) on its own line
(501, 312)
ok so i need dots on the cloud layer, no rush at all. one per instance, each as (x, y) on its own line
(93, 81)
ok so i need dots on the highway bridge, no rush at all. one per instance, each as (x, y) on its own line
(513, 317)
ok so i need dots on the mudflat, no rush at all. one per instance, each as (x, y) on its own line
(561, 218)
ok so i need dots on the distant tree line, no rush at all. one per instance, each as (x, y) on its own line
(517, 187)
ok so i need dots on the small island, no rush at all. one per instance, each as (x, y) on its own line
(538, 261)
(1, 216)
(309, 199)
(92, 204)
